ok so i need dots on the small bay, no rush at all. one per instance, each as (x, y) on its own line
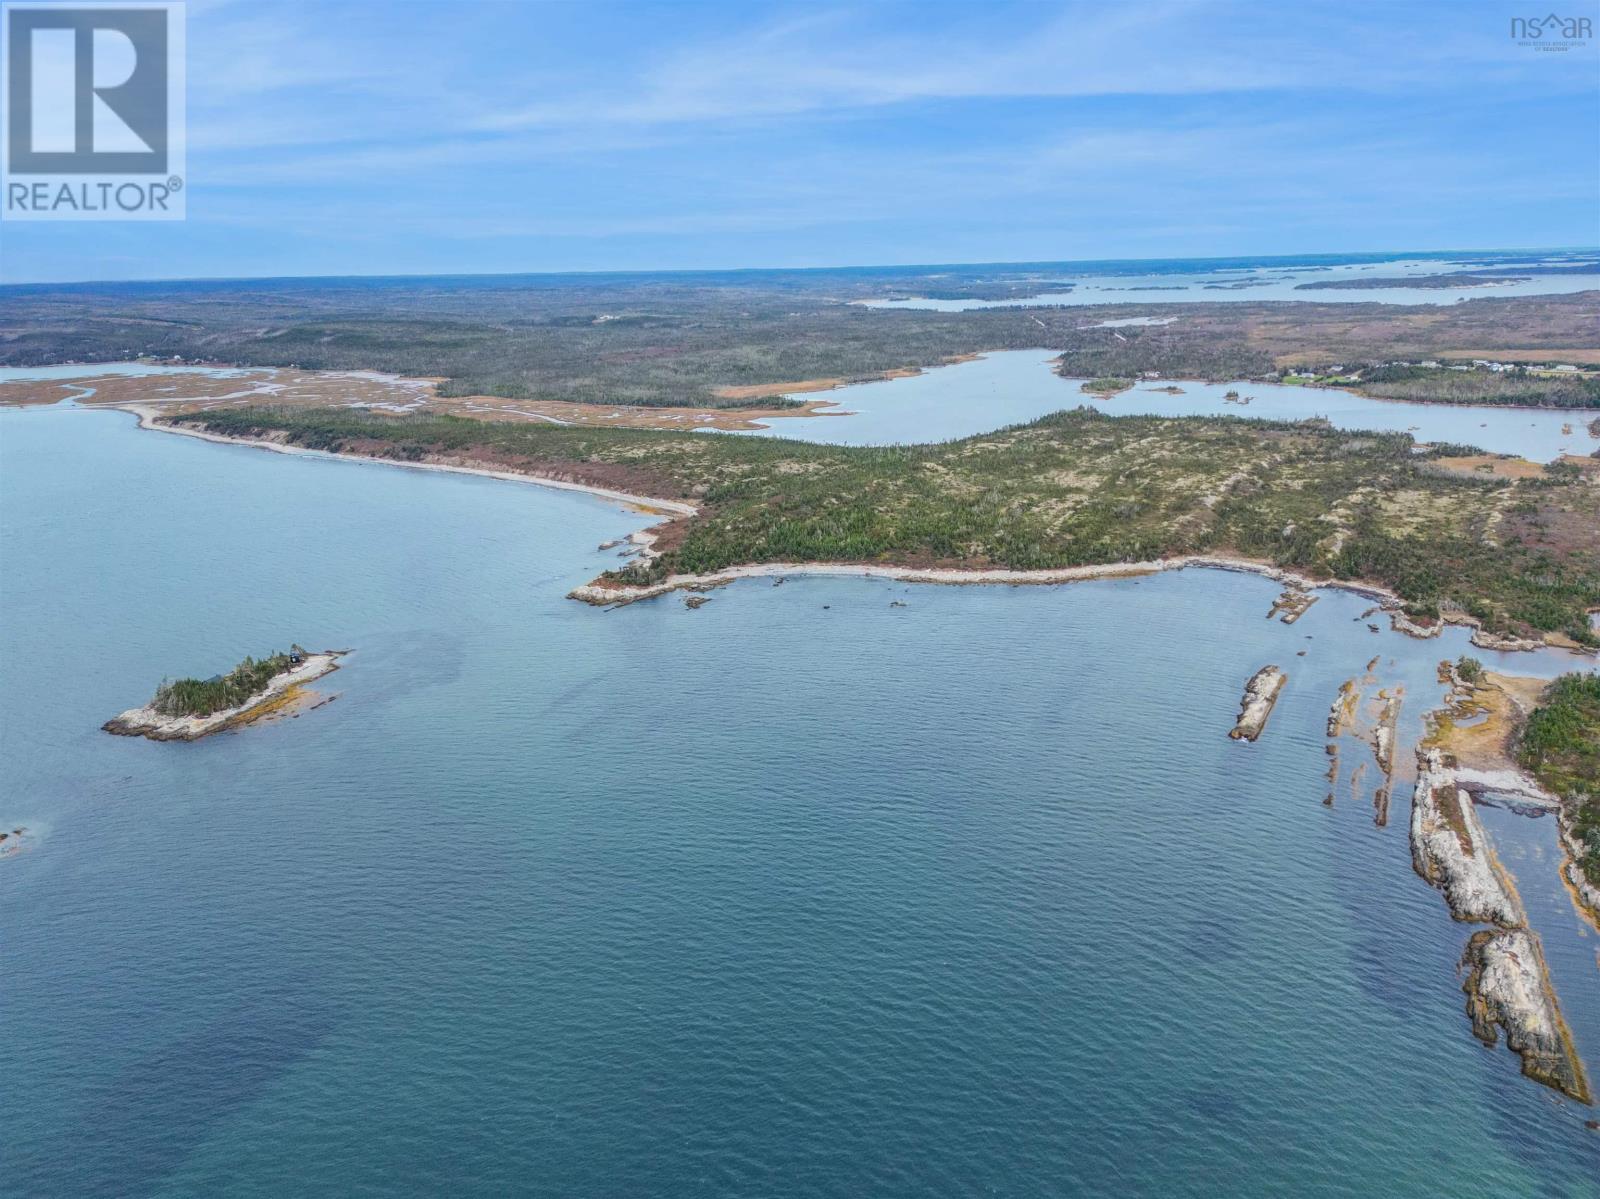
(1013, 386)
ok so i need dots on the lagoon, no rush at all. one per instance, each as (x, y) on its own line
(798, 892)
(1013, 386)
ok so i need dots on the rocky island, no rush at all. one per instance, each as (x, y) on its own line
(1260, 695)
(189, 709)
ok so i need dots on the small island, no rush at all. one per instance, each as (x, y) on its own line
(1260, 697)
(189, 709)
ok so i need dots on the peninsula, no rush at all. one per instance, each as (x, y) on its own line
(1539, 744)
(1077, 491)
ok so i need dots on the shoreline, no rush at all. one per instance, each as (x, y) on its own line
(145, 721)
(608, 596)
(759, 420)
(1482, 762)
(602, 595)
(1508, 985)
(150, 418)
(611, 596)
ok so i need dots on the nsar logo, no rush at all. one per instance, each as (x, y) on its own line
(1552, 31)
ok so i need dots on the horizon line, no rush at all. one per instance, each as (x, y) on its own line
(772, 270)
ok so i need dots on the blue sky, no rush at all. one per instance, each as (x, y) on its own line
(419, 137)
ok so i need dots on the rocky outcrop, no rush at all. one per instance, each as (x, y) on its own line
(1508, 988)
(1450, 849)
(1343, 710)
(1401, 623)
(1292, 604)
(1387, 731)
(1507, 985)
(1588, 895)
(1487, 640)
(1260, 696)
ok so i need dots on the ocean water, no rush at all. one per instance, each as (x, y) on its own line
(1181, 284)
(800, 893)
(1014, 386)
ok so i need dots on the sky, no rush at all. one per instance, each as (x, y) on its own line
(466, 136)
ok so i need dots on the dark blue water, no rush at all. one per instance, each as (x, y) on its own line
(798, 893)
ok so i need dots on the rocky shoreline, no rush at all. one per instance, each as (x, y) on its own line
(157, 726)
(606, 594)
(1507, 986)
(1585, 893)
(1451, 850)
(603, 593)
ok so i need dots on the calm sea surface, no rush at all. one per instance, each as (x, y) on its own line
(800, 893)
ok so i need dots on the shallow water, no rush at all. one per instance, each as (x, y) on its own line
(1253, 285)
(798, 893)
(1013, 386)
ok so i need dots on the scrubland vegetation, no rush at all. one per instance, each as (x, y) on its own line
(677, 339)
(1075, 488)
(202, 697)
(1560, 744)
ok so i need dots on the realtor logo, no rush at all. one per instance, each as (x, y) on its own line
(94, 106)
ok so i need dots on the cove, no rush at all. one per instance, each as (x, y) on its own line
(1014, 386)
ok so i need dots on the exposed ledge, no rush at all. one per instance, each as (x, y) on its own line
(1508, 985)
(1260, 697)
(1451, 850)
